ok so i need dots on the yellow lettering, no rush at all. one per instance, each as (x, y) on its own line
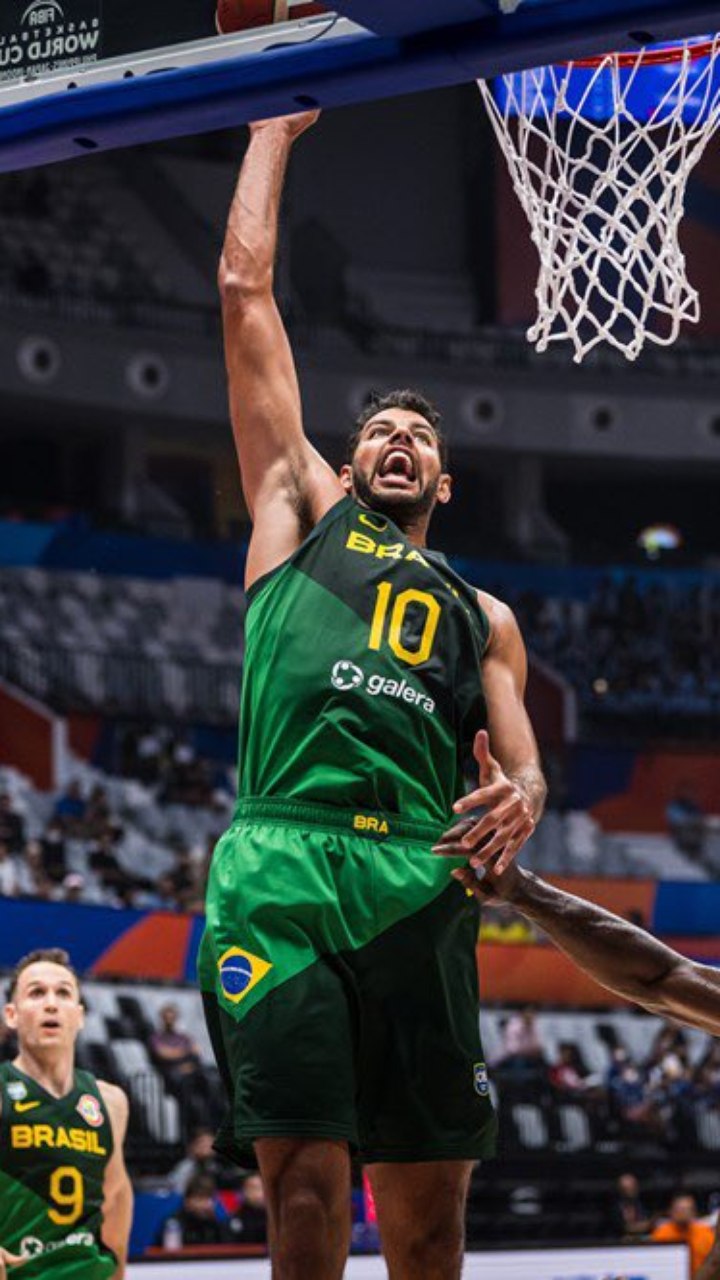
(43, 1136)
(383, 828)
(415, 555)
(62, 1138)
(360, 542)
(390, 551)
(359, 822)
(21, 1135)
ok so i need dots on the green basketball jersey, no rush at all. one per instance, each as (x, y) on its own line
(362, 684)
(53, 1156)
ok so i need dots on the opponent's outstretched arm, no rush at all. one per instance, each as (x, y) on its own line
(619, 955)
(287, 485)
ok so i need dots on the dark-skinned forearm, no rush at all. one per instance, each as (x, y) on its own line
(623, 958)
(248, 256)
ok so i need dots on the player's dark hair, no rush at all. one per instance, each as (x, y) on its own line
(413, 401)
(51, 955)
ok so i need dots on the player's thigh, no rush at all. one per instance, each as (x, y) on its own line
(420, 1198)
(423, 1090)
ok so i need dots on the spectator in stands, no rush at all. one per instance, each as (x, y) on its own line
(177, 1058)
(630, 1217)
(184, 880)
(98, 815)
(8, 872)
(632, 1101)
(252, 1220)
(69, 809)
(686, 821)
(53, 852)
(521, 1050)
(12, 826)
(72, 888)
(683, 1227)
(114, 880)
(33, 879)
(201, 1157)
(569, 1075)
(200, 1219)
(707, 1077)
(149, 756)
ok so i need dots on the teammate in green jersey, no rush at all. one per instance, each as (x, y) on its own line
(338, 964)
(65, 1196)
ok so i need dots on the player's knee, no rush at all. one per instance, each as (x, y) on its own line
(433, 1242)
(310, 1213)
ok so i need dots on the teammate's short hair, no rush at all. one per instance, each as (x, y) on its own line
(51, 955)
(409, 399)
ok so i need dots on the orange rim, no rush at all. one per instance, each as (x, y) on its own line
(650, 57)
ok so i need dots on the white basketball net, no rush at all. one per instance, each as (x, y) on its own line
(605, 199)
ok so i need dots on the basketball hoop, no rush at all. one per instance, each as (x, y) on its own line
(605, 195)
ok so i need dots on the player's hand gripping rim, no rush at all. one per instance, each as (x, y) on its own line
(508, 820)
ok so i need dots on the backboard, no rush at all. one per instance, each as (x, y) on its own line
(85, 75)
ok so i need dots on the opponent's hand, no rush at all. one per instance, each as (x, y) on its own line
(508, 821)
(292, 126)
(8, 1259)
(487, 884)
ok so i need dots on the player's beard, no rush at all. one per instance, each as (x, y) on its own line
(402, 508)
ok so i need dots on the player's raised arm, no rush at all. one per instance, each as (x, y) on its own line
(117, 1189)
(286, 483)
(511, 787)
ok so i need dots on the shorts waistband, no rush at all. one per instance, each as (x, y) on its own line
(372, 823)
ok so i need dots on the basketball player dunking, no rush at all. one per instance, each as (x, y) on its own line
(65, 1197)
(338, 965)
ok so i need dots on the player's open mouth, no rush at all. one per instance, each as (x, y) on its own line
(51, 1024)
(398, 464)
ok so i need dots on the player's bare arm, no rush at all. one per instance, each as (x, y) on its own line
(511, 787)
(288, 487)
(619, 955)
(117, 1188)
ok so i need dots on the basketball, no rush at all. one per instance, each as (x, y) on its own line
(240, 15)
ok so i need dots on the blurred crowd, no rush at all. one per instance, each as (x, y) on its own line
(631, 647)
(656, 1099)
(86, 824)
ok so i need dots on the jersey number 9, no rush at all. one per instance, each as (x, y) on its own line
(68, 1193)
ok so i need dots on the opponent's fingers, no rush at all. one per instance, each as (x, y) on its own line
(482, 889)
(508, 838)
(449, 844)
(510, 853)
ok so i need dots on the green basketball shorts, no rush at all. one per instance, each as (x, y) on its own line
(339, 977)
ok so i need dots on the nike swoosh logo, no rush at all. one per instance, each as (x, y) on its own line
(26, 1106)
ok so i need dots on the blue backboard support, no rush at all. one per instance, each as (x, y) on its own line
(363, 50)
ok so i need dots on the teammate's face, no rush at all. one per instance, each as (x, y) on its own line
(46, 1010)
(396, 466)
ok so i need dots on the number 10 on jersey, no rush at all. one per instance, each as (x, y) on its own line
(393, 625)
